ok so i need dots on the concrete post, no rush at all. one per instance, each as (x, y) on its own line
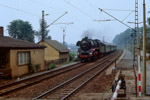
(144, 49)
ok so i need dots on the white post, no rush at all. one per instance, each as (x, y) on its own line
(139, 76)
(116, 91)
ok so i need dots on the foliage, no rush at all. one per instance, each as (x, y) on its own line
(21, 30)
(33, 68)
(121, 39)
(39, 33)
(72, 56)
(30, 67)
(147, 39)
(125, 39)
(148, 21)
(37, 67)
(72, 47)
(52, 66)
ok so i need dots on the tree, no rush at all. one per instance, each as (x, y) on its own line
(122, 39)
(148, 21)
(71, 56)
(39, 33)
(147, 39)
(20, 29)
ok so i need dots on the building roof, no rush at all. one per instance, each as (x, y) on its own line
(58, 46)
(12, 43)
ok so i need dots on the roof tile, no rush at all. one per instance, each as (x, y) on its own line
(8, 42)
(58, 46)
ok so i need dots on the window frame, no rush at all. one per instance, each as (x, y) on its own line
(24, 58)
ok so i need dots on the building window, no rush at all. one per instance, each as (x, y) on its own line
(23, 58)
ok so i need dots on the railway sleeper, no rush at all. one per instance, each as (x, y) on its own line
(7, 90)
(68, 90)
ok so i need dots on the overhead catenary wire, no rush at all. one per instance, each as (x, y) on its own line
(76, 28)
(95, 6)
(49, 7)
(114, 18)
(44, 5)
(79, 9)
(89, 3)
(57, 19)
(119, 10)
(64, 23)
(102, 24)
(128, 15)
(2, 5)
(40, 4)
(105, 20)
(131, 11)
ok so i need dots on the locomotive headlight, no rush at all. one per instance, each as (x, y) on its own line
(90, 53)
(78, 53)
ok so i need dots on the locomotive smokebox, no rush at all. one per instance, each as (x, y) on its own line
(85, 44)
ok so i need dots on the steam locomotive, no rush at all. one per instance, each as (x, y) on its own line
(90, 49)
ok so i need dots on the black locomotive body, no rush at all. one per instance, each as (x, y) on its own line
(90, 49)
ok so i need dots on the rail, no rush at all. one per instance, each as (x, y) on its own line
(33, 82)
(77, 76)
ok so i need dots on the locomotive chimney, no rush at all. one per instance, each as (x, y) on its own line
(1, 31)
(86, 38)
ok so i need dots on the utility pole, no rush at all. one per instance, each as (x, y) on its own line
(144, 49)
(64, 37)
(43, 27)
(56, 19)
(115, 18)
(43, 23)
(136, 49)
(104, 20)
(64, 30)
(103, 39)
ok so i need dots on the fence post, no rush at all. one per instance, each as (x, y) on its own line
(139, 76)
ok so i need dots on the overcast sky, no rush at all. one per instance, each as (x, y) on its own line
(80, 12)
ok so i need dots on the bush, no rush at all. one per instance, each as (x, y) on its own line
(30, 67)
(33, 68)
(37, 67)
(52, 66)
(71, 56)
(76, 59)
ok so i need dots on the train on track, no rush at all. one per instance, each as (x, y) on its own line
(91, 49)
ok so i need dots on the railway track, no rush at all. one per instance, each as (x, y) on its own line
(17, 85)
(67, 88)
(10, 88)
(21, 84)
